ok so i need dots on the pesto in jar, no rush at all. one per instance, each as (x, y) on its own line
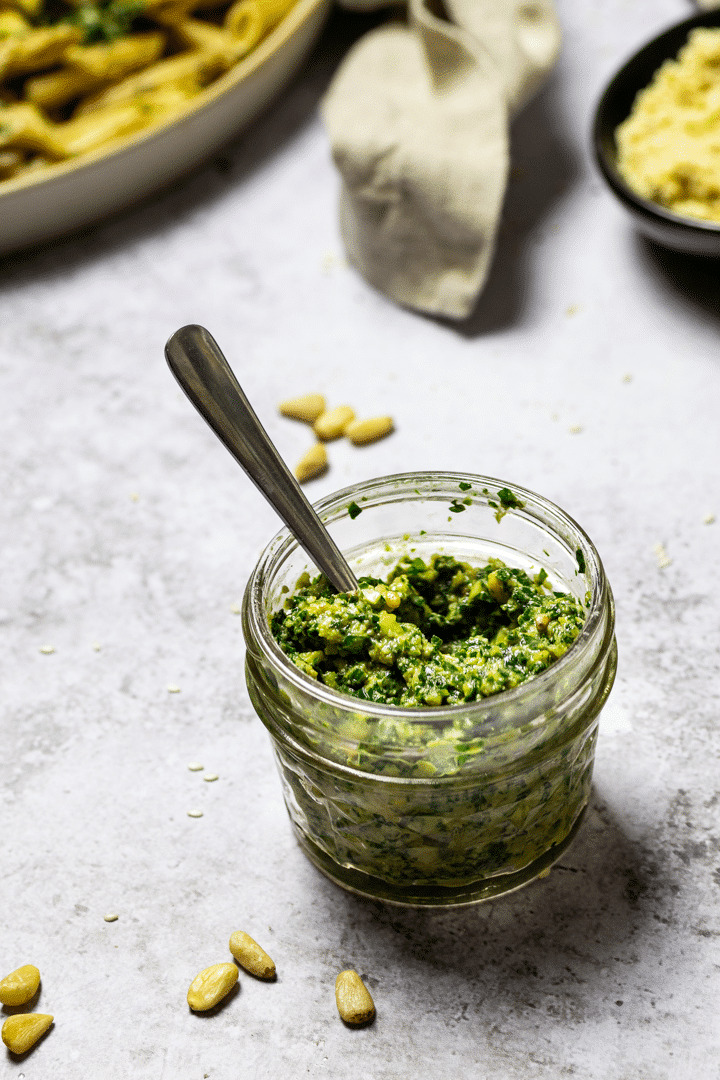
(433, 633)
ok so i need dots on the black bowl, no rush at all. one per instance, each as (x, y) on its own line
(692, 236)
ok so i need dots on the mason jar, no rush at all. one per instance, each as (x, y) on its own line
(449, 804)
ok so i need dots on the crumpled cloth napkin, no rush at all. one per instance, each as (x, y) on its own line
(418, 119)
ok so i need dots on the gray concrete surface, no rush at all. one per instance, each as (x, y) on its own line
(128, 535)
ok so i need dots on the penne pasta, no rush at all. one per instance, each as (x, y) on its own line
(201, 35)
(192, 70)
(23, 127)
(251, 20)
(12, 24)
(31, 8)
(10, 162)
(107, 69)
(34, 50)
(87, 132)
(57, 88)
(114, 60)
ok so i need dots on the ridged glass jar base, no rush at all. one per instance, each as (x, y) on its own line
(473, 892)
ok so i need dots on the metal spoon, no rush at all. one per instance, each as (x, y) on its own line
(204, 374)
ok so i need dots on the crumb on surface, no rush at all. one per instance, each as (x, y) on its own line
(663, 560)
(575, 429)
(46, 650)
(172, 689)
(709, 519)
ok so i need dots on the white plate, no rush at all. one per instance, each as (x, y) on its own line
(43, 206)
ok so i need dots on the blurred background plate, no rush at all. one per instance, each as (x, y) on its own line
(46, 205)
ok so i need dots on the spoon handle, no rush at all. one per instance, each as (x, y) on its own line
(197, 363)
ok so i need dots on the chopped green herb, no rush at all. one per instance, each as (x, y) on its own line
(509, 498)
(580, 560)
(464, 486)
(105, 21)
(354, 510)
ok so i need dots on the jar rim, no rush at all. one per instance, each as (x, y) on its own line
(331, 507)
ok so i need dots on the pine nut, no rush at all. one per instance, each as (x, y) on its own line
(312, 464)
(332, 424)
(250, 956)
(496, 588)
(21, 1032)
(210, 986)
(307, 408)
(353, 999)
(20, 986)
(365, 431)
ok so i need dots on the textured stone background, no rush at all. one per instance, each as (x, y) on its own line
(125, 524)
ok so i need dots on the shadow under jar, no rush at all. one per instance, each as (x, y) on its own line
(449, 804)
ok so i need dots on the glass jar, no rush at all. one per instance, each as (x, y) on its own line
(441, 805)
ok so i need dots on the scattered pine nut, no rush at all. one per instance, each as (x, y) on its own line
(308, 407)
(312, 464)
(496, 588)
(195, 766)
(21, 1032)
(111, 917)
(235, 609)
(209, 777)
(709, 519)
(331, 425)
(250, 956)
(353, 999)
(210, 986)
(96, 646)
(366, 431)
(194, 813)
(47, 650)
(20, 986)
(173, 689)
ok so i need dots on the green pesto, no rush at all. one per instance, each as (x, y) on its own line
(435, 633)
(98, 20)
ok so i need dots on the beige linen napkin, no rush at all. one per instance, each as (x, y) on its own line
(418, 118)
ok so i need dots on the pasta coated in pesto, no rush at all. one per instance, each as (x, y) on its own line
(76, 75)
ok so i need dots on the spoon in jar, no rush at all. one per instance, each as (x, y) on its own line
(197, 363)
